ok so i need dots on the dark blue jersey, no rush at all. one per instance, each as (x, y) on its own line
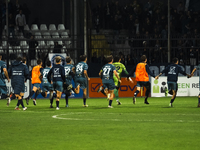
(44, 73)
(68, 72)
(80, 67)
(107, 72)
(57, 72)
(172, 72)
(18, 73)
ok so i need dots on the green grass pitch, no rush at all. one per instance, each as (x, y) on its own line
(124, 127)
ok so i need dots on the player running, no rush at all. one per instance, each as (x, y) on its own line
(58, 73)
(142, 73)
(47, 86)
(3, 74)
(81, 77)
(172, 77)
(36, 81)
(18, 72)
(108, 79)
(69, 75)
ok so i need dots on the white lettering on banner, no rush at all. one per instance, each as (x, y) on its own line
(27, 89)
(186, 86)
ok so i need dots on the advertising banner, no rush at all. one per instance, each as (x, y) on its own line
(186, 86)
(126, 89)
(27, 88)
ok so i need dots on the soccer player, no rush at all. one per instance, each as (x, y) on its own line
(18, 72)
(108, 79)
(36, 81)
(3, 74)
(119, 68)
(81, 77)
(12, 96)
(69, 75)
(142, 73)
(172, 77)
(58, 74)
(47, 86)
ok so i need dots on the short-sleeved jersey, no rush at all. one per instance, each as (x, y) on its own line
(58, 73)
(141, 72)
(119, 68)
(107, 72)
(36, 74)
(2, 76)
(44, 73)
(68, 69)
(172, 72)
(80, 67)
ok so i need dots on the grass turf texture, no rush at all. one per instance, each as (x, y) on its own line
(153, 127)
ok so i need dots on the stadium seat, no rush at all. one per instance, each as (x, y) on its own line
(38, 35)
(26, 28)
(43, 27)
(52, 27)
(46, 35)
(24, 46)
(55, 35)
(61, 27)
(65, 37)
(34, 27)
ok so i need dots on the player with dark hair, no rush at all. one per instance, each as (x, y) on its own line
(172, 72)
(18, 72)
(69, 75)
(36, 81)
(81, 77)
(142, 73)
(119, 68)
(47, 86)
(3, 74)
(58, 74)
(106, 74)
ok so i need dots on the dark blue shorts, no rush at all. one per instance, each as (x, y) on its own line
(58, 86)
(109, 85)
(82, 82)
(47, 87)
(172, 86)
(142, 83)
(18, 89)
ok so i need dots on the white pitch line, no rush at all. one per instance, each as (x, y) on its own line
(154, 120)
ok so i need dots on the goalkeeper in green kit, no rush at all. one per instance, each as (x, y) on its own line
(119, 68)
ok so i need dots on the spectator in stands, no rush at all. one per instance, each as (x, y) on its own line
(195, 24)
(116, 24)
(137, 26)
(130, 61)
(192, 56)
(130, 25)
(16, 8)
(97, 22)
(20, 21)
(180, 7)
(102, 59)
(32, 45)
(57, 48)
(26, 11)
(107, 12)
(11, 25)
(94, 58)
